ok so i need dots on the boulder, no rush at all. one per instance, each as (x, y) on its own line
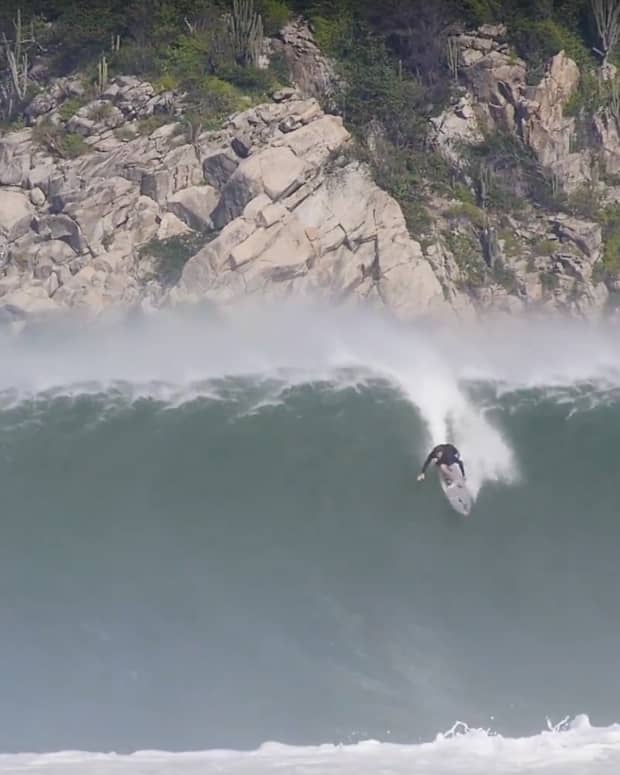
(586, 235)
(194, 206)
(242, 146)
(37, 197)
(171, 226)
(275, 171)
(61, 227)
(14, 163)
(218, 167)
(315, 142)
(55, 251)
(16, 213)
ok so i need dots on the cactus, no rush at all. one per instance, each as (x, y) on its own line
(452, 54)
(14, 87)
(614, 101)
(246, 30)
(102, 73)
(484, 181)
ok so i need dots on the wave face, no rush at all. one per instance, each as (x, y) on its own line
(212, 535)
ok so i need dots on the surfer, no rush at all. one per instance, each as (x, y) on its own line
(443, 455)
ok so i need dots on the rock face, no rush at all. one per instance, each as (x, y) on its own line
(276, 214)
(334, 235)
(497, 97)
(311, 72)
(271, 205)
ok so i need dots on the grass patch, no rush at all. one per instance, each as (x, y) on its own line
(468, 256)
(170, 255)
(275, 14)
(146, 126)
(469, 212)
(70, 107)
(545, 247)
(505, 276)
(100, 111)
(610, 222)
(512, 246)
(125, 134)
(59, 142)
(549, 281)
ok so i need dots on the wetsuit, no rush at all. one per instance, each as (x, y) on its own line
(446, 455)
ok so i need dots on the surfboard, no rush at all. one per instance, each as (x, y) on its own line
(455, 489)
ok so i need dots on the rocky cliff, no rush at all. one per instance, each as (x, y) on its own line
(276, 210)
(115, 200)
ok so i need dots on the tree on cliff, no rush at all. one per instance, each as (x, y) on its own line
(607, 19)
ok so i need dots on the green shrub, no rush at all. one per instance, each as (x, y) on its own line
(470, 212)
(73, 145)
(248, 79)
(146, 126)
(217, 98)
(100, 111)
(70, 107)
(505, 276)
(468, 256)
(584, 203)
(479, 12)
(67, 145)
(395, 171)
(610, 220)
(334, 34)
(84, 30)
(549, 281)
(166, 82)
(188, 60)
(171, 255)
(376, 90)
(280, 69)
(512, 245)
(125, 134)
(134, 59)
(513, 173)
(275, 14)
(464, 194)
(537, 41)
(545, 247)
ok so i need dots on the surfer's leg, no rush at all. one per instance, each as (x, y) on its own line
(445, 470)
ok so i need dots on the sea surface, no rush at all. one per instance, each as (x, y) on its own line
(215, 556)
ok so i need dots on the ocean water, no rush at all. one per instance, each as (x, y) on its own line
(213, 542)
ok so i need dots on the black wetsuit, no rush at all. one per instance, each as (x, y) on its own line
(444, 454)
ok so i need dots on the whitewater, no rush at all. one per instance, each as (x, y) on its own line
(214, 545)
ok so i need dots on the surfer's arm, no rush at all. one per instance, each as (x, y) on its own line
(427, 462)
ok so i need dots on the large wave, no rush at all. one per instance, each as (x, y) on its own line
(212, 537)
(176, 357)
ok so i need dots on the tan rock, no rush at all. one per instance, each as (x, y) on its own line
(15, 210)
(194, 206)
(171, 226)
(314, 143)
(274, 171)
(271, 214)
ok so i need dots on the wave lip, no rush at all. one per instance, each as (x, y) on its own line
(570, 748)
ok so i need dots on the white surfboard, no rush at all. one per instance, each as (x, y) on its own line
(456, 490)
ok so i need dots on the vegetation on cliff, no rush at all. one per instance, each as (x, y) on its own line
(395, 70)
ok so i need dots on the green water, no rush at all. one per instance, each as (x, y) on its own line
(212, 575)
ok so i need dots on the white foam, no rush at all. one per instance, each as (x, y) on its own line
(572, 748)
(175, 357)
